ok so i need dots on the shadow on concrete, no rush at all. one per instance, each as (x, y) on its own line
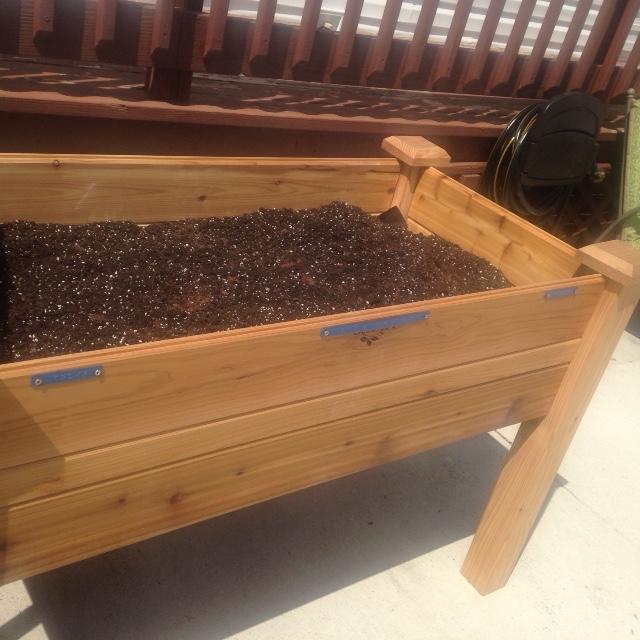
(634, 323)
(222, 576)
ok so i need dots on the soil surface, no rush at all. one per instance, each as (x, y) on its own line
(67, 289)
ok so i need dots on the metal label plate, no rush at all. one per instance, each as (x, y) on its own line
(66, 375)
(560, 293)
(373, 325)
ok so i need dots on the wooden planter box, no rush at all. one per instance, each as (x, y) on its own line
(178, 431)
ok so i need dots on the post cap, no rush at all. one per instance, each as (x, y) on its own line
(416, 151)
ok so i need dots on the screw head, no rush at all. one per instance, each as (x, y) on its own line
(97, 372)
(325, 332)
(37, 382)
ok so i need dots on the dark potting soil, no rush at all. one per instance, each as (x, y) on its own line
(68, 289)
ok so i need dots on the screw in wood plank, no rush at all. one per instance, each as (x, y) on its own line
(37, 382)
(97, 372)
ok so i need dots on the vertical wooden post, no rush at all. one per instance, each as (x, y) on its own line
(410, 67)
(531, 467)
(169, 78)
(414, 154)
(42, 18)
(105, 22)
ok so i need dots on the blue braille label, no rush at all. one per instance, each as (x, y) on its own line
(560, 293)
(66, 375)
(373, 325)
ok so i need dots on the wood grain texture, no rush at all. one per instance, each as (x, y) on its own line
(416, 151)
(76, 189)
(63, 473)
(614, 259)
(156, 387)
(528, 474)
(44, 534)
(524, 252)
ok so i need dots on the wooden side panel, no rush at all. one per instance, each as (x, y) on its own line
(48, 533)
(523, 252)
(77, 189)
(153, 388)
(55, 475)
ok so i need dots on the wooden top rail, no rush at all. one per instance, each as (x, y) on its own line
(76, 90)
(178, 35)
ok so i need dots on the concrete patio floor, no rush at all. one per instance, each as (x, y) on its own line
(377, 555)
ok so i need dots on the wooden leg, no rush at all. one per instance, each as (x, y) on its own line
(532, 465)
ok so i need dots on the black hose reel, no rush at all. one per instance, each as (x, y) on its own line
(543, 152)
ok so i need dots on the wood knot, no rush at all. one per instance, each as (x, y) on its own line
(176, 497)
(123, 500)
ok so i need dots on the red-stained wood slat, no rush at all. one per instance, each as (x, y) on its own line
(162, 23)
(43, 13)
(262, 30)
(531, 66)
(215, 26)
(625, 75)
(378, 59)
(554, 75)
(346, 37)
(307, 31)
(105, 21)
(503, 68)
(594, 42)
(443, 67)
(415, 51)
(472, 72)
(602, 77)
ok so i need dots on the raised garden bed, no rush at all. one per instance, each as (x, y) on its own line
(74, 288)
(107, 447)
